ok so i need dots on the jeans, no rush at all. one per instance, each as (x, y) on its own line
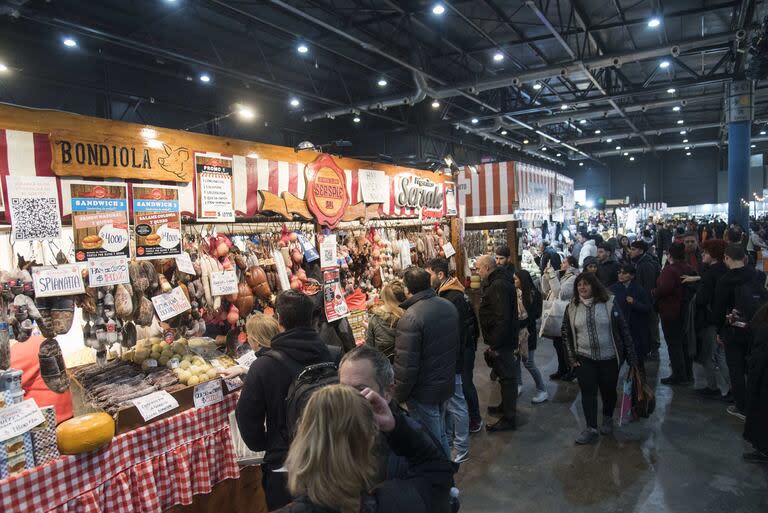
(679, 357)
(736, 356)
(457, 420)
(467, 383)
(534, 371)
(432, 417)
(594, 375)
(505, 365)
(653, 321)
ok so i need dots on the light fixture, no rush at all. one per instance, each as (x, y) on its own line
(475, 121)
(581, 164)
(438, 9)
(69, 42)
(688, 153)
(609, 140)
(295, 102)
(302, 48)
(504, 132)
(148, 133)
(685, 141)
(752, 145)
(382, 82)
(356, 119)
(564, 106)
(537, 86)
(680, 121)
(631, 158)
(245, 112)
(676, 108)
(654, 22)
(253, 155)
(498, 56)
(762, 132)
(559, 154)
(671, 90)
(525, 141)
(3, 67)
(626, 153)
(687, 148)
(683, 132)
(205, 78)
(583, 122)
(597, 132)
(664, 64)
(618, 148)
(435, 104)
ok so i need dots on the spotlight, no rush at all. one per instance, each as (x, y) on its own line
(680, 121)
(618, 148)
(581, 164)
(685, 141)
(525, 141)
(583, 122)
(69, 42)
(597, 132)
(498, 56)
(537, 86)
(475, 121)
(3, 67)
(356, 119)
(683, 132)
(205, 78)
(688, 153)
(631, 158)
(654, 22)
(504, 132)
(676, 108)
(626, 153)
(295, 102)
(664, 64)
(753, 146)
(564, 106)
(435, 104)
(609, 140)
(671, 90)
(302, 48)
(559, 154)
(244, 112)
(687, 148)
(762, 132)
(438, 9)
(382, 82)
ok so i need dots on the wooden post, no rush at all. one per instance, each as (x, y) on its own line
(512, 227)
(456, 242)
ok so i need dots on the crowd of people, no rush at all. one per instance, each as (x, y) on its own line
(389, 429)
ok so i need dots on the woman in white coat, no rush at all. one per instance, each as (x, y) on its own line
(559, 286)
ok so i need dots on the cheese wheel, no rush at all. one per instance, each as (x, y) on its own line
(85, 433)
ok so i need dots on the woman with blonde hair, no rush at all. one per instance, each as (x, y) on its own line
(332, 462)
(260, 330)
(383, 318)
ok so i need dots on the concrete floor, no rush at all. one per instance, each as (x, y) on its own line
(685, 458)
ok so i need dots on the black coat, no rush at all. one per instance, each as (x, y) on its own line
(636, 314)
(551, 257)
(426, 345)
(498, 311)
(705, 295)
(608, 272)
(464, 309)
(647, 270)
(725, 293)
(266, 387)
(533, 306)
(756, 425)
(425, 488)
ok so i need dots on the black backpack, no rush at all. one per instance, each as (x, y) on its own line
(747, 300)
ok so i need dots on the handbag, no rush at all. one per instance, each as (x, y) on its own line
(552, 319)
(643, 397)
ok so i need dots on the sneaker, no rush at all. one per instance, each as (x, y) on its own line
(476, 427)
(755, 457)
(707, 392)
(495, 410)
(728, 397)
(461, 457)
(732, 410)
(606, 428)
(588, 436)
(569, 376)
(519, 389)
(540, 397)
(501, 425)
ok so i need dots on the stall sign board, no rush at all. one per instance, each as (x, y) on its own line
(155, 404)
(108, 271)
(19, 418)
(333, 296)
(223, 283)
(184, 264)
(208, 393)
(412, 191)
(99, 220)
(374, 186)
(60, 280)
(171, 304)
(215, 188)
(34, 207)
(157, 221)
(328, 256)
(326, 190)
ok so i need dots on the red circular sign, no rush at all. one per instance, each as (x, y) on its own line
(326, 190)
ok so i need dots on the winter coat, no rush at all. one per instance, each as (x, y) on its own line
(266, 387)
(550, 257)
(576, 250)
(381, 331)
(588, 249)
(705, 296)
(756, 425)
(558, 288)
(453, 291)
(669, 292)
(636, 314)
(533, 307)
(608, 272)
(647, 270)
(620, 335)
(498, 311)
(725, 293)
(426, 347)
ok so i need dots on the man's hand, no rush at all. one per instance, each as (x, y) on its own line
(630, 300)
(689, 279)
(382, 415)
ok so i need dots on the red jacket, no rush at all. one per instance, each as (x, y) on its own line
(669, 290)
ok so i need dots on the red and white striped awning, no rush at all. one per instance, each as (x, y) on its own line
(489, 191)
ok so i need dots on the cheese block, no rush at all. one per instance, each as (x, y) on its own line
(85, 433)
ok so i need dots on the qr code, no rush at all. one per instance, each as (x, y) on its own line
(35, 218)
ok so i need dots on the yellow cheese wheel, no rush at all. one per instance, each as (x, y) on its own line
(85, 433)
(474, 277)
(474, 285)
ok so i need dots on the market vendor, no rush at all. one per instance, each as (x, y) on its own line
(25, 357)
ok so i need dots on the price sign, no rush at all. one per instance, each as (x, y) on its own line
(184, 263)
(60, 280)
(155, 404)
(247, 359)
(449, 250)
(171, 304)
(208, 393)
(107, 271)
(223, 283)
(233, 384)
(19, 418)
(328, 256)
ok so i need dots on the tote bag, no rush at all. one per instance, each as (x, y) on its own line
(552, 319)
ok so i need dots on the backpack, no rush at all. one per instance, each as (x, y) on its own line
(747, 300)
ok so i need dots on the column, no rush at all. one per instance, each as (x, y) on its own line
(739, 114)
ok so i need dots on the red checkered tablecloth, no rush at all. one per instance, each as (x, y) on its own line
(147, 470)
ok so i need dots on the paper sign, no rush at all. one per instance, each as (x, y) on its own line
(184, 264)
(282, 273)
(208, 393)
(247, 359)
(34, 206)
(333, 296)
(233, 384)
(450, 198)
(19, 418)
(107, 271)
(405, 254)
(223, 283)
(448, 250)
(328, 256)
(214, 188)
(310, 253)
(171, 304)
(374, 186)
(156, 221)
(155, 404)
(99, 220)
(61, 280)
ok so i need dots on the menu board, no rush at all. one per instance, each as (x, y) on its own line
(214, 188)
(99, 220)
(157, 221)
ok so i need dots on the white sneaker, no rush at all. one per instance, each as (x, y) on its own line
(540, 397)
(519, 389)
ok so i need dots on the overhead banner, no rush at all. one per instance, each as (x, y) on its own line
(214, 188)
(156, 221)
(34, 207)
(99, 220)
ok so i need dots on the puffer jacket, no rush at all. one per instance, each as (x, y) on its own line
(558, 288)
(453, 291)
(498, 311)
(381, 331)
(647, 270)
(588, 249)
(426, 345)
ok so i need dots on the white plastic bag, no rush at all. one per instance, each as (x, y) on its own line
(552, 318)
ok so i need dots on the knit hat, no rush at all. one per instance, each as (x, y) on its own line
(590, 260)
(715, 248)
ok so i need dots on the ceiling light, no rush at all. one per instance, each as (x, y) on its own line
(688, 153)
(671, 90)
(525, 141)
(69, 42)
(680, 121)
(583, 122)
(676, 108)
(537, 86)
(683, 132)
(664, 64)
(597, 131)
(498, 56)
(504, 132)
(609, 140)
(3, 67)
(295, 102)
(438, 9)
(752, 145)
(581, 164)
(435, 104)
(687, 148)
(302, 48)
(543, 148)
(631, 158)
(205, 78)
(245, 112)
(253, 155)
(626, 153)
(382, 82)
(356, 119)
(618, 147)
(564, 106)
(559, 154)
(475, 121)
(685, 141)
(762, 132)
(654, 22)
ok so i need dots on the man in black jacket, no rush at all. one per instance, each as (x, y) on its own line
(549, 256)
(504, 259)
(607, 266)
(266, 387)
(426, 347)
(499, 325)
(647, 271)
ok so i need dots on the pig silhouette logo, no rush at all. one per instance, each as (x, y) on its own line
(174, 161)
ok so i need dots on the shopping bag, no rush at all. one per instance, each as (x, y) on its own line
(625, 409)
(643, 398)
(245, 456)
(552, 319)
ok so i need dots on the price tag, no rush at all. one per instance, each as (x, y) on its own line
(247, 359)
(107, 271)
(61, 280)
(328, 257)
(171, 304)
(208, 393)
(155, 404)
(233, 384)
(223, 283)
(184, 264)
(19, 418)
(448, 250)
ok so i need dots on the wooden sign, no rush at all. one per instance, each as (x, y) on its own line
(326, 190)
